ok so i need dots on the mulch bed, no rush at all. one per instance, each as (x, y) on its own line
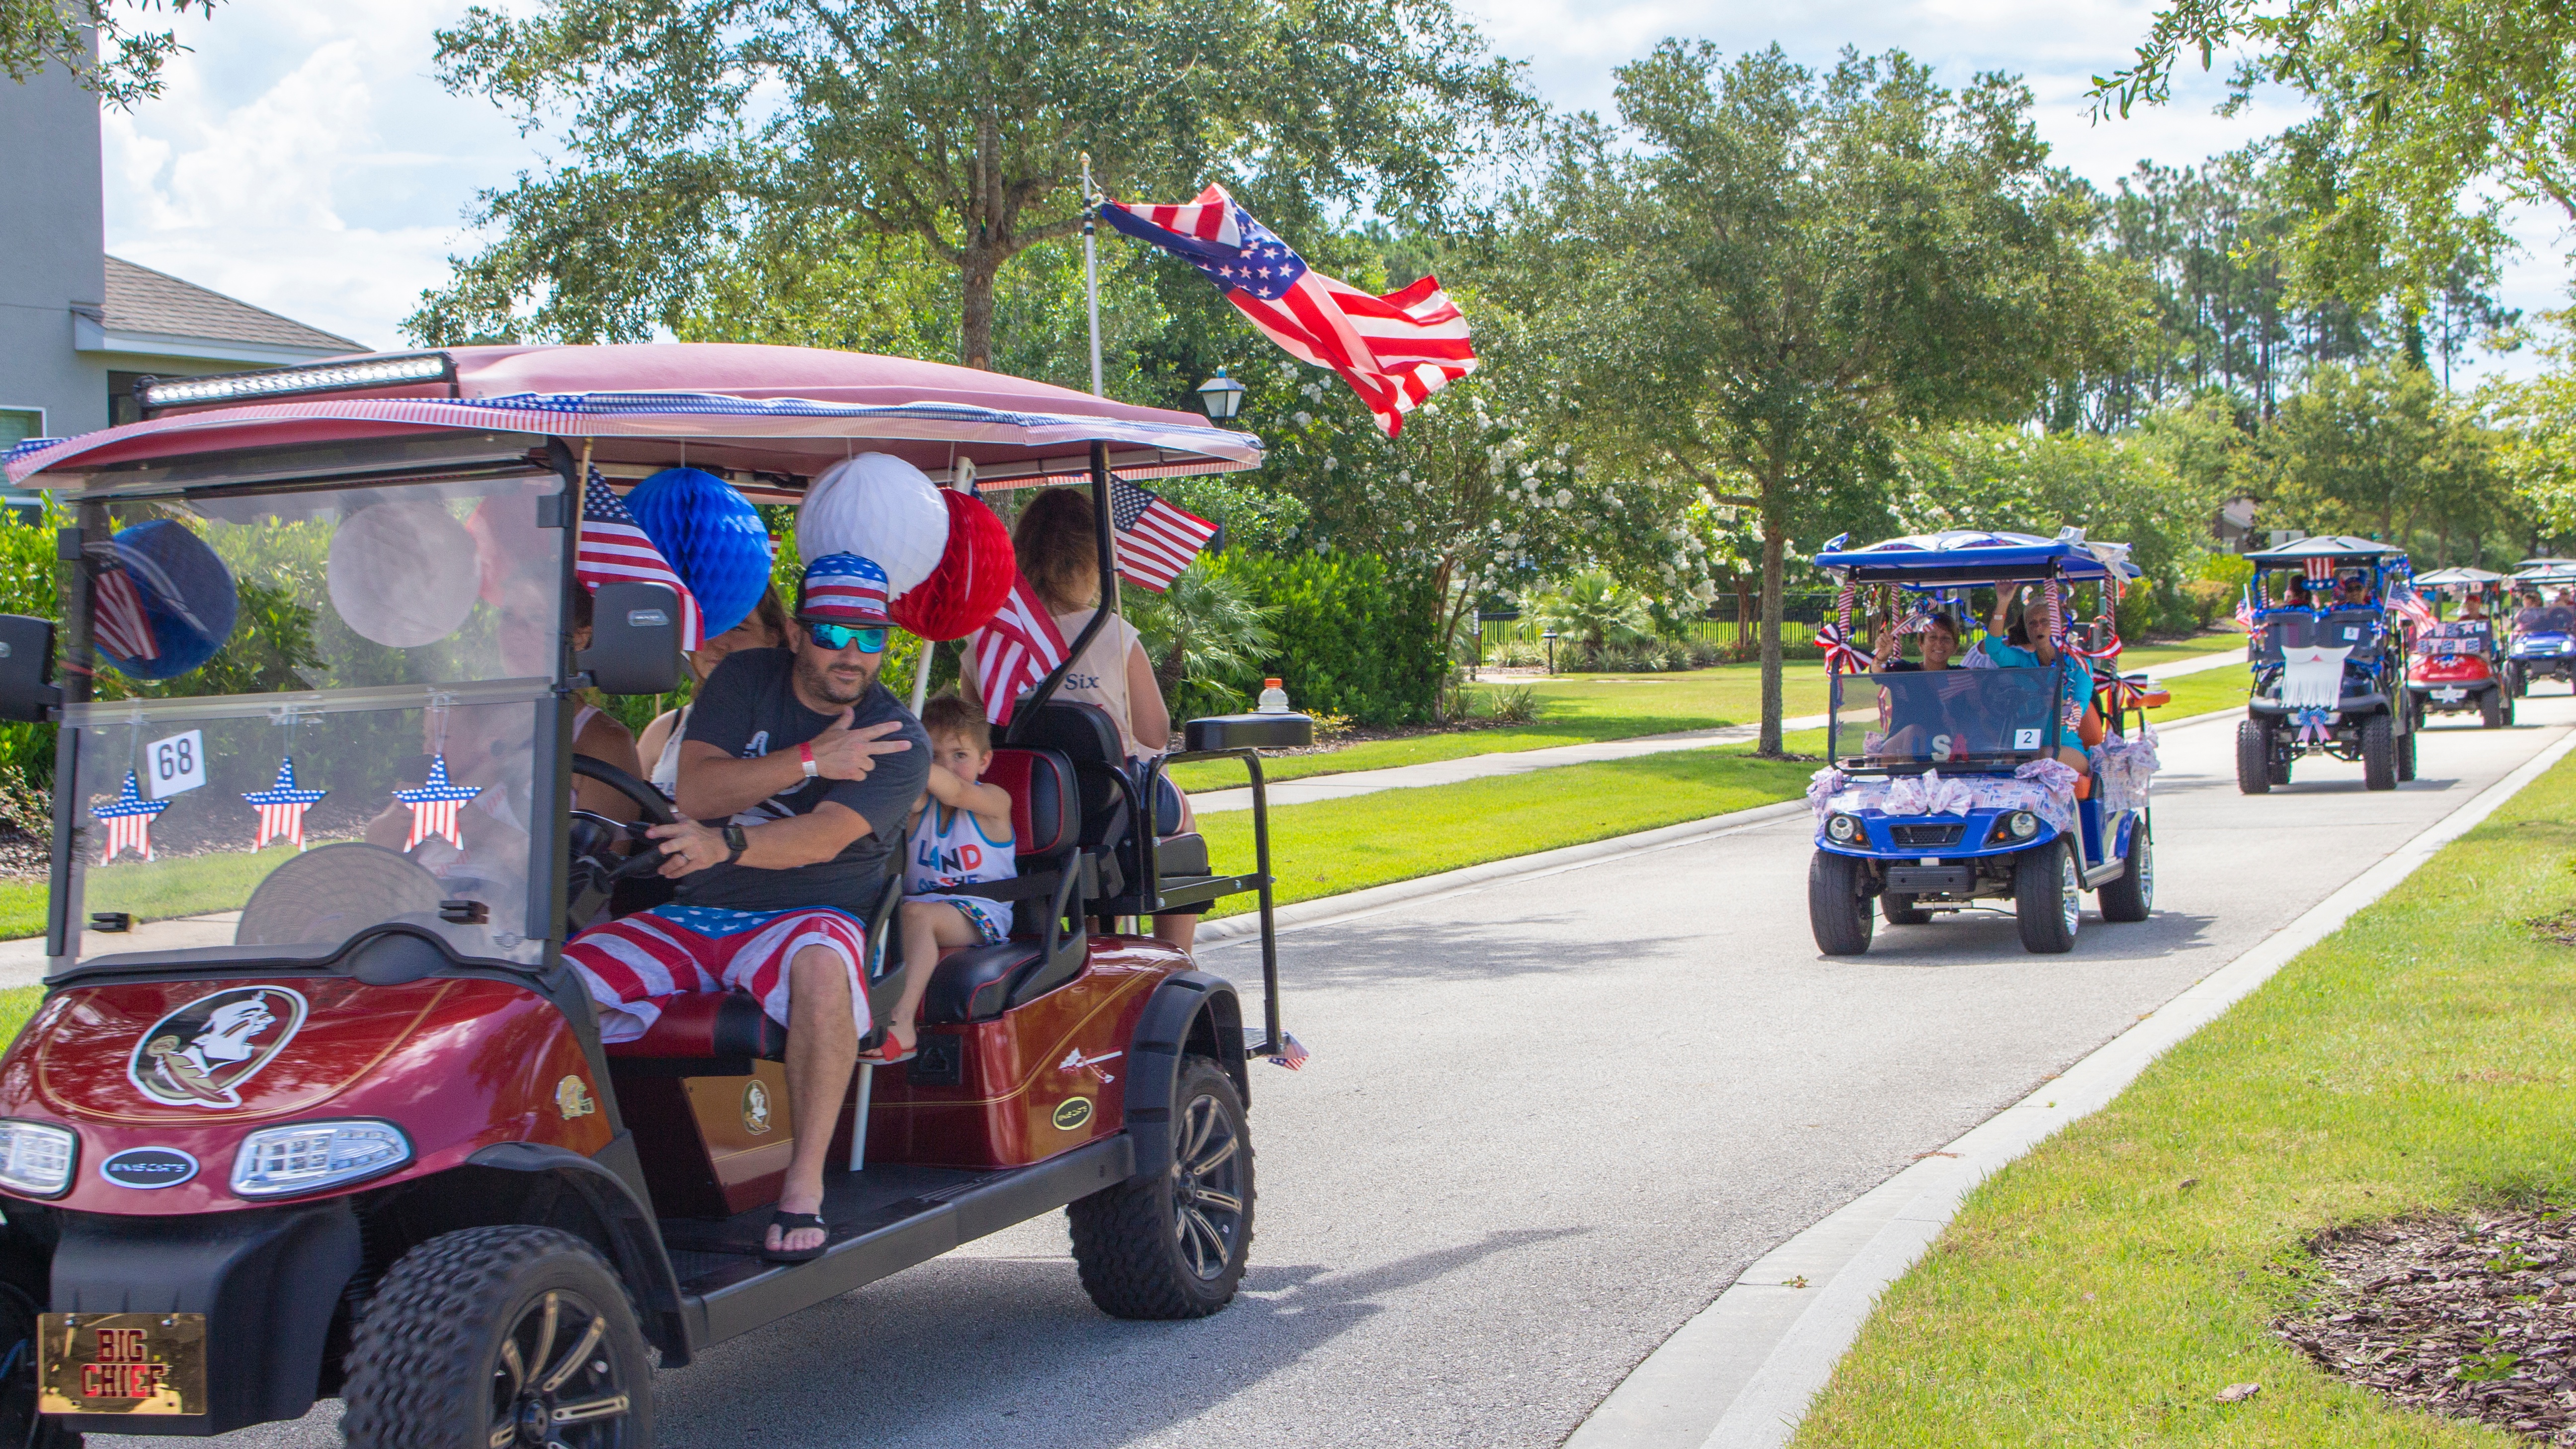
(2474, 1318)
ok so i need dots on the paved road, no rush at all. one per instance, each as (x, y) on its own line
(1547, 1121)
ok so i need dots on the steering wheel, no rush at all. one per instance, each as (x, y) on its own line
(595, 869)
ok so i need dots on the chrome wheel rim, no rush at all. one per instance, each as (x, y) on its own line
(1207, 1189)
(554, 1381)
(2070, 891)
(2146, 869)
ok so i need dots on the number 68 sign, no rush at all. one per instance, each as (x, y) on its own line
(175, 764)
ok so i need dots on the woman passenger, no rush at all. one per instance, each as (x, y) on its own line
(1058, 553)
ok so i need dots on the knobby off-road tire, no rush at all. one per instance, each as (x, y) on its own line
(2379, 752)
(2406, 754)
(20, 1424)
(1836, 910)
(2491, 709)
(2048, 898)
(2253, 757)
(2133, 896)
(1900, 910)
(474, 1331)
(1173, 1245)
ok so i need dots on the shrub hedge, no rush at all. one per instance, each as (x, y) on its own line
(1353, 638)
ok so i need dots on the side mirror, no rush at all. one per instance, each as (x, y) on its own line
(27, 668)
(634, 640)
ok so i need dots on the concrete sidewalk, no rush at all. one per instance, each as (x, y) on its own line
(1479, 767)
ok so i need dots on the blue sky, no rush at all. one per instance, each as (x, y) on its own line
(304, 159)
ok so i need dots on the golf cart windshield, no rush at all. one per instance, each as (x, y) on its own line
(1984, 717)
(333, 729)
(2546, 619)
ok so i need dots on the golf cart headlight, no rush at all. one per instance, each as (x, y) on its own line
(1842, 827)
(36, 1158)
(276, 1161)
(2022, 824)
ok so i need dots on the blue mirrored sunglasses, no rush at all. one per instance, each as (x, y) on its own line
(842, 636)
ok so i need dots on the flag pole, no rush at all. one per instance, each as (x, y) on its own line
(1091, 267)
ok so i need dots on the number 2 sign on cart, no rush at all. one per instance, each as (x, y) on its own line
(177, 763)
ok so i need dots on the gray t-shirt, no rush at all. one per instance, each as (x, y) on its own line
(748, 708)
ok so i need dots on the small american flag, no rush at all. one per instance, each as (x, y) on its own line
(2412, 605)
(2245, 614)
(1155, 539)
(434, 805)
(129, 820)
(117, 620)
(614, 550)
(2320, 569)
(1292, 1053)
(1012, 653)
(282, 807)
(1394, 350)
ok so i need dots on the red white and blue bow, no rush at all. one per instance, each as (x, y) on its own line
(1840, 656)
(2312, 726)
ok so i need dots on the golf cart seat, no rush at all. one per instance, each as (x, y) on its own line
(1086, 736)
(979, 983)
(705, 1033)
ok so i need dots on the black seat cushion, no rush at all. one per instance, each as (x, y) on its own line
(975, 984)
(1087, 739)
(1183, 855)
(708, 1024)
(1042, 790)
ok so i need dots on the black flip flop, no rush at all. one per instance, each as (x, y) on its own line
(787, 1222)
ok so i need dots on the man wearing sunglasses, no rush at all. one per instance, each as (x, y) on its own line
(796, 777)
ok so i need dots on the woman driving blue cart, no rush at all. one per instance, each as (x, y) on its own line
(1977, 780)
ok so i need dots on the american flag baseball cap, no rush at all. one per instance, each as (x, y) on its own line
(843, 588)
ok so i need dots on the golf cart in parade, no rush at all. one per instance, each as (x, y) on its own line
(311, 1108)
(2543, 641)
(1946, 786)
(2329, 665)
(2459, 664)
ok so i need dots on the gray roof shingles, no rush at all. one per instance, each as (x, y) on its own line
(140, 299)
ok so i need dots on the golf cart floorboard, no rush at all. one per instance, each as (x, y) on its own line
(882, 1221)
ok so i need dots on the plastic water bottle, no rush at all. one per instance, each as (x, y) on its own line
(1274, 700)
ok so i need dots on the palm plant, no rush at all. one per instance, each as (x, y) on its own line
(1594, 610)
(1203, 634)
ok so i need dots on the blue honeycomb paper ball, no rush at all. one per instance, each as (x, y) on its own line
(187, 593)
(712, 536)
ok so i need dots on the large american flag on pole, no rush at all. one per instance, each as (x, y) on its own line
(1012, 653)
(1394, 350)
(1155, 539)
(614, 550)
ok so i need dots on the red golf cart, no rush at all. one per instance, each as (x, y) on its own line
(313, 1107)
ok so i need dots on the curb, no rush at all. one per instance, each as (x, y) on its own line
(1769, 1349)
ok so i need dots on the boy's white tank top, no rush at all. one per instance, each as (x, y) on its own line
(949, 847)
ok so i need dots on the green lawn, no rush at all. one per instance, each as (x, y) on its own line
(2211, 689)
(1333, 846)
(16, 1005)
(1574, 709)
(2104, 1288)
(2140, 656)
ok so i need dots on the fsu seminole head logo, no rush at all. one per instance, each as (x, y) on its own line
(199, 1055)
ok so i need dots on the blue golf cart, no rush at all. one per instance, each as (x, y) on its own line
(2543, 642)
(2330, 670)
(1947, 787)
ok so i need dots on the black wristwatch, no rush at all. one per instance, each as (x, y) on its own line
(735, 843)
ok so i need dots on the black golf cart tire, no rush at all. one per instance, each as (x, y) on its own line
(2132, 897)
(422, 1358)
(1126, 1239)
(2379, 753)
(2508, 710)
(2491, 709)
(1837, 912)
(2406, 755)
(1900, 910)
(2041, 877)
(20, 1424)
(2253, 757)
(2521, 681)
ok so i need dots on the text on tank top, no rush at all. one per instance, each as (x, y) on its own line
(949, 847)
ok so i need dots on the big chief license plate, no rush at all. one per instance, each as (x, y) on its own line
(121, 1363)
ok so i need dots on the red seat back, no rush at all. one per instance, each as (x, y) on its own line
(1041, 787)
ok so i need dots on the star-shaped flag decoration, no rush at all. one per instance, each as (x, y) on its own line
(434, 806)
(282, 807)
(129, 820)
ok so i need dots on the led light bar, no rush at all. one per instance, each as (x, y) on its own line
(412, 367)
(311, 1156)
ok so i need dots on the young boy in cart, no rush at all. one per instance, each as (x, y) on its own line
(808, 767)
(960, 834)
